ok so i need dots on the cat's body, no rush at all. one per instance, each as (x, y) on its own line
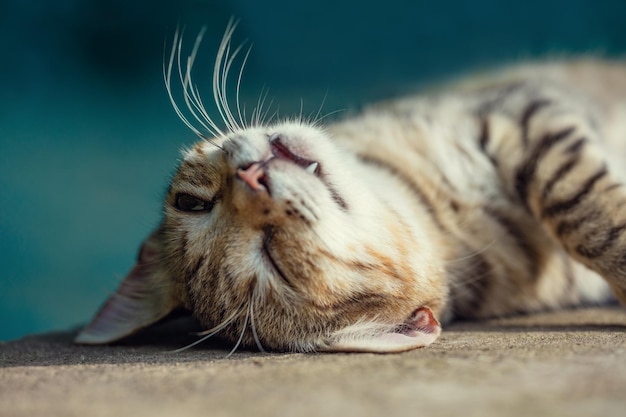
(499, 259)
(470, 202)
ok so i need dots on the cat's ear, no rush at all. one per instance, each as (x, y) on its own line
(420, 330)
(145, 296)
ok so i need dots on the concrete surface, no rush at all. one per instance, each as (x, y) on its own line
(570, 363)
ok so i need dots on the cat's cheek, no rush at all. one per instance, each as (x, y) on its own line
(255, 207)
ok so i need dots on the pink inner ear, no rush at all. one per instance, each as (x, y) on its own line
(420, 330)
(143, 297)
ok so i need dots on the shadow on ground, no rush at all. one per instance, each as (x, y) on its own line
(159, 343)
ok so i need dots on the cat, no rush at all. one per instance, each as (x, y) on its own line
(497, 195)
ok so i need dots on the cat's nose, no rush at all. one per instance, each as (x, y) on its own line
(253, 176)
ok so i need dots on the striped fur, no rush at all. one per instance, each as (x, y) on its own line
(497, 196)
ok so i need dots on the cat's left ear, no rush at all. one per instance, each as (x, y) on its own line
(420, 330)
(144, 297)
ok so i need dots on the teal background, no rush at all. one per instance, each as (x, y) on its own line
(88, 138)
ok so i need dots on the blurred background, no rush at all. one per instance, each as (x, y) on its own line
(88, 138)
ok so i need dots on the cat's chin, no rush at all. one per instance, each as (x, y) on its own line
(419, 330)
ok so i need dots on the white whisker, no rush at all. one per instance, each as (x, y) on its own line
(264, 119)
(190, 96)
(243, 331)
(256, 114)
(319, 110)
(473, 254)
(243, 65)
(209, 333)
(271, 118)
(317, 121)
(191, 92)
(222, 56)
(253, 326)
(225, 71)
(167, 73)
(300, 116)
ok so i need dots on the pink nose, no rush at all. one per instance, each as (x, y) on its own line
(252, 175)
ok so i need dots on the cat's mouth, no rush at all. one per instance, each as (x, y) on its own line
(255, 175)
(279, 150)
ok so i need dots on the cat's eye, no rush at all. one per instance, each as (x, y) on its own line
(189, 203)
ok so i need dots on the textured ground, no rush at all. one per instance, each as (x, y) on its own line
(558, 364)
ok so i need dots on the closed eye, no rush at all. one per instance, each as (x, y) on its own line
(189, 203)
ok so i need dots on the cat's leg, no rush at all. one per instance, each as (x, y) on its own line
(546, 146)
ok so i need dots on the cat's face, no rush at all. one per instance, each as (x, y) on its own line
(267, 234)
(277, 237)
(273, 236)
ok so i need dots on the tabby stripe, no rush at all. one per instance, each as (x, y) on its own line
(501, 94)
(612, 187)
(421, 196)
(337, 198)
(576, 146)
(194, 270)
(484, 137)
(345, 309)
(526, 172)
(563, 206)
(567, 226)
(611, 236)
(371, 299)
(183, 247)
(531, 110)
(559, 175)
(520, 238)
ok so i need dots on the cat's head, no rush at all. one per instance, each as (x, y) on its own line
(273, 235)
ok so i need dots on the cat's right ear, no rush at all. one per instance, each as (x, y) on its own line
(144, 297)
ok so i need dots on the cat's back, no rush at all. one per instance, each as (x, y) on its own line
(596, 84)
(438, 122)
(601, 80)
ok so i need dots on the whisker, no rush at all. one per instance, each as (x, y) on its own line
(167, 74)
(222, 325)
(221, 89)
(264, 119)
(472, 254)
(225, 71)
(462, 280)
(243, 65)
(317, 121)
(253, 326)
(168, 68)
(319, 110)
(222, 56)
(300, 116)
(192, 100)
(243, 331)
(209, 333)
(244, 116)
(191, 92)
(256, 119)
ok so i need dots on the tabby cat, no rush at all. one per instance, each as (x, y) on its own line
(496, 196)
